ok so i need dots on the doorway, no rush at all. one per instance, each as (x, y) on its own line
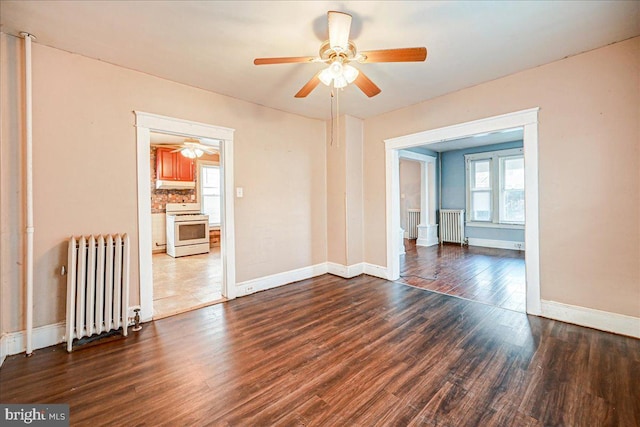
(146, 124)
(481, 178)
(185, 200)
(527, 121)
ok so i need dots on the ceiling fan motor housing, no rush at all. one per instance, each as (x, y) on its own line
(329, 54)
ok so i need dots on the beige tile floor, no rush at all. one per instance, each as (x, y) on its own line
(185, 283)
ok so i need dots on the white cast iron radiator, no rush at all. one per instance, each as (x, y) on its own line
(97, 286)
(413, 219)
(452, 225)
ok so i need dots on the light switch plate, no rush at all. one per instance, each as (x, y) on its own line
(239, 192)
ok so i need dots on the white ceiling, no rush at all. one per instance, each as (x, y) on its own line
(212, 44)
(163, 138)
(157, 138)
(479, 140)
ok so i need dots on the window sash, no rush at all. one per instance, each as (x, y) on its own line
(484, 215)
(475, 191)
(484, 181)
(512, 197)
(505, 205)
(210, 193)
(211, 206)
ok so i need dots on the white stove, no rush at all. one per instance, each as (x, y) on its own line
(179, 217)
(187, 230)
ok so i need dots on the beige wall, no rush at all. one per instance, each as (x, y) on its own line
(345, 191)
(589, 170)
(336, 194)
(85, 171)
(410, 181)
(354, 140)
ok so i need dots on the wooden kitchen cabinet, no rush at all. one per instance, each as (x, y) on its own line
(173, 166)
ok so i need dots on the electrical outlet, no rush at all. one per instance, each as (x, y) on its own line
(249, 289)
(518, 246)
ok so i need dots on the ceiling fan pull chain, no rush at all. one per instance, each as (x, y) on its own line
(338, 117)
(331, 104)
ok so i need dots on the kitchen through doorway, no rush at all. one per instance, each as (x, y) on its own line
(186, 221)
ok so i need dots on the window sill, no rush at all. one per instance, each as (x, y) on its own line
(495, 225)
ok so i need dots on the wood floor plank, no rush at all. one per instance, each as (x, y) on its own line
(490, 276)
(332, 351)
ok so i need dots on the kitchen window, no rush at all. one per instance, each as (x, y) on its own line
(210, 193)
(495, 188)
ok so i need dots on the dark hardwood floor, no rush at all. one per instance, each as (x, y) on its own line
(490, 276)
(337, 352)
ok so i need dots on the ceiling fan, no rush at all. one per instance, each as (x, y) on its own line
(193, 148)
(338, 52)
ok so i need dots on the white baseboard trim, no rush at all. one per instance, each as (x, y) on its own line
(346, 271)
(349, 271)
(498, 244)
(3, 348)
(591, 318)
(376, 271)
(43, 336)
(279, 279)
(426, 242)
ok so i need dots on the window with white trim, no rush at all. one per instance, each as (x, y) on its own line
(210, 186)
(495, 187)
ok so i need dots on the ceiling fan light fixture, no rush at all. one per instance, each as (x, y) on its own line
(340, 82)
(350, 73)
(188, 153)
(336, 69)
(340, 74)
(325, 76)
(191, 153)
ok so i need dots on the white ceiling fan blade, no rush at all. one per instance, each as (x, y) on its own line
(339, 28)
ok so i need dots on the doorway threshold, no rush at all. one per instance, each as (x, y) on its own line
(186, 309)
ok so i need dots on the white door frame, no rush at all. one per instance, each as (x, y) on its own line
(528, 120)
(427, 188)
(145, 124)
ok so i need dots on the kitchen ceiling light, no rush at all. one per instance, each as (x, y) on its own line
(191, 153)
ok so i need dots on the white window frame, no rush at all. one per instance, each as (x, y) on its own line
(201, 164)
(495, 158)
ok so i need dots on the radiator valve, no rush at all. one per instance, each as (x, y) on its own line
(136, 319)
